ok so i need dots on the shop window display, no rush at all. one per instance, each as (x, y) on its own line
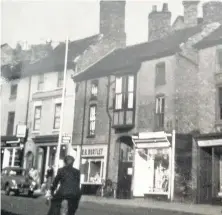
(158, 165)
(91, 171)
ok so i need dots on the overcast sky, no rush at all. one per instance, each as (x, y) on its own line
(35, 21)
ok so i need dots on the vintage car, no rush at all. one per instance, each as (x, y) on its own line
(16, 179)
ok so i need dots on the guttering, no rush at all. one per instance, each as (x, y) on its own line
(110, 126)
(83, 123)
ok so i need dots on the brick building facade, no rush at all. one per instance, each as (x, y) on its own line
(152, 86)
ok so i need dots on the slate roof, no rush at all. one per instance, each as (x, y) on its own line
(123, 58)
(55, 60)
(211, 40)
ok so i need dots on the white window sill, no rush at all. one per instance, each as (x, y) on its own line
(55, 131)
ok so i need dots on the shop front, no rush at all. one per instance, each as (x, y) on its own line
(11, 152)
(209, 177)
(153, 165)
(46, 148)
(93, 167)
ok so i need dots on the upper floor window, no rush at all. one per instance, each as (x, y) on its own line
(94, 88)
(220, 59)
(60, 79)
(57, 116)
(160, 74)
(10, 124)
(37, 118)
(13, 92)
(159, 112)
(220, 102)
(92, 120)
(40, 82)
(124, 101)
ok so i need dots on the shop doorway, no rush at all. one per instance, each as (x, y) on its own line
(205, 175)
(125, 167)
(40, 164)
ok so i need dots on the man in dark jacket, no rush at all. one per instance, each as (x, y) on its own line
(68, 179)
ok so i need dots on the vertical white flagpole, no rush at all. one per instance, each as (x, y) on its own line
(62, 108)
(173, 164)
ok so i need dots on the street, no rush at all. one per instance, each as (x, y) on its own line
(13, 205)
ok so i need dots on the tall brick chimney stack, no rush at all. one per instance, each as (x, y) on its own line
(159, 23)
(190, 13)
(212, 12)
(112, 19)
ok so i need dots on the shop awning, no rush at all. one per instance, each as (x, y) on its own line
(46, 138)
(209, 143)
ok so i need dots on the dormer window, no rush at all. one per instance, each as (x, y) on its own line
(124, 107)
(94, 89)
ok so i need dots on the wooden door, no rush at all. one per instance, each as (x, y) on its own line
(205, 176)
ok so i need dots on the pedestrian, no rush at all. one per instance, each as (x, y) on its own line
(68, 179)
(34, 176)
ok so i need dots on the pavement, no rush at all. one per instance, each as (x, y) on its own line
(89, 205)
(154, 204)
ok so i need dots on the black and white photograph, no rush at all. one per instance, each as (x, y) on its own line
(111, 107)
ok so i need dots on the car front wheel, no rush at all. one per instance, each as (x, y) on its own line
(7, 190)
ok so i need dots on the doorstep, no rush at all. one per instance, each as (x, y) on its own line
(153, 204)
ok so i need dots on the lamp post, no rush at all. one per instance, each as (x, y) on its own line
(62, 108)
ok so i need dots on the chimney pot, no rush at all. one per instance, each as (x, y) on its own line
(154, 8)
(165, 7)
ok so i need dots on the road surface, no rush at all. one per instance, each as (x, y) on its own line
(14, 205)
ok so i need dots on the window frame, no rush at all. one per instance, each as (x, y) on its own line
(8, 131)
(14, 87)
(125, 101)
(96, 84)
(160, 112)
(34, 120)
(219, 59)
(40, 84)
(60, 79)
(90, 134)
(57, 117)
(158, 74)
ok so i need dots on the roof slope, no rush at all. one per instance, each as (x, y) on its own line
(55, 60)
(130, 55)
(211, 40)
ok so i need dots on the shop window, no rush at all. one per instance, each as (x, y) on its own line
(37, 118)
(57, 116)
(160, 74)
(159, 112)
(40, 84)
(123, 114)
(13, 91)
(92, 121)
(155, 166)
(94, 89)
(10, 125)
(92, 170)
(220, 102)
(60, 79)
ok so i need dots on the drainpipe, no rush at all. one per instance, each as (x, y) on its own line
(83, 125)
(110, 126)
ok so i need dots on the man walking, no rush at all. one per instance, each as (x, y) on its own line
(68, 179)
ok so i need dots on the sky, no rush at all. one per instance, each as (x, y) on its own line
(36, 21)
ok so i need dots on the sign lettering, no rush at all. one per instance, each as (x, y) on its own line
(92, 152)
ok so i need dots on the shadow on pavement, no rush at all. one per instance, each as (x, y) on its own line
(3, 212)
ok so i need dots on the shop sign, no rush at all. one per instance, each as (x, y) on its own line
(209, 143)
(66, 139)
(92, 151)
(21, 131)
